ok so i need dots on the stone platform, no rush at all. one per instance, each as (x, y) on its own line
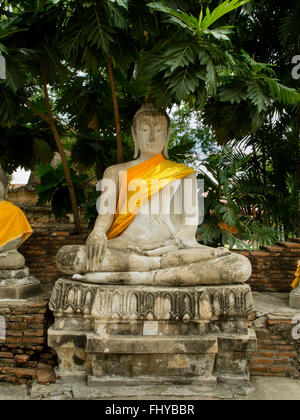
(139, 335)
(18, 284)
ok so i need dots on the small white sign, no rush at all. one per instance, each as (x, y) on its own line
(150, 328)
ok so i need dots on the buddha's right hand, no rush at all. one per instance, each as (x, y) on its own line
(96, 246)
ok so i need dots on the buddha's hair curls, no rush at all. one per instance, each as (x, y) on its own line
(150, 109)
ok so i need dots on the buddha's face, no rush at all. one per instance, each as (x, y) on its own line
(152, 134)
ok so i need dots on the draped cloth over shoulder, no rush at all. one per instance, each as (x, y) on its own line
(156, 173)
(13, 224)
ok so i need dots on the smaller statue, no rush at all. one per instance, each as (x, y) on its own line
(295, 293)
(14, 230)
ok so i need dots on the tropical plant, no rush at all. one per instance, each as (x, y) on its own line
(53, 188)
(231, 203)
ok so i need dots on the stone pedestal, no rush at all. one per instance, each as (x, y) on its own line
(295, 298)
(141, 335)
(17, 284)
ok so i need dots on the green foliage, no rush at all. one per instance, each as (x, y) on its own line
(53, 188)
(25, 144)
(231, 202)
(181, 52)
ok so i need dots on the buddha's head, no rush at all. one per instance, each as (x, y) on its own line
(2, 192)
(151, 131)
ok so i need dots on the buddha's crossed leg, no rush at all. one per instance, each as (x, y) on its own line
(180, 267)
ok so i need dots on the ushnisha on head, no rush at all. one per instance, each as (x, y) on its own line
(2, 192)
(151, 130)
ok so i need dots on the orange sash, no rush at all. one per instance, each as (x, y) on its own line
(13, 223)
(297, 279)
(155, 174)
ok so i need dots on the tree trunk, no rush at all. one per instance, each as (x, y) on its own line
(297, 174)
(61, 151)
(116, 109)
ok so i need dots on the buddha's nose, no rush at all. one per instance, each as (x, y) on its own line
(152, 137)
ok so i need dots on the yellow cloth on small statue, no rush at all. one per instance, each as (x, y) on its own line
(13, 223)
(157, 173)
(297, 279)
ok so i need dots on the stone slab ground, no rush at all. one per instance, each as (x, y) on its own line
(261, 389)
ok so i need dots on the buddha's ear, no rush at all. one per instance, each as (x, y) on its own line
(136, 146)
(165, 149)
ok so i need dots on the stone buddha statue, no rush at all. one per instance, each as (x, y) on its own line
(142, 240)
(15, 279)
(14, 229)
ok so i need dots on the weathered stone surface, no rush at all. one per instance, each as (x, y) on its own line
(11, 260)
(141, 334)
(295, 298)
(14, 274)
(103, 302)
(152, 345)
(46, 376)
(19, 288)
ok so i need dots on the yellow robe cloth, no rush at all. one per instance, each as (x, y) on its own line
(297, 279)
(154, 169)
(13, 223)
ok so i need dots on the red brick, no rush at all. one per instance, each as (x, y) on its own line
(22, 358)
(34, 340)
(291, 354)
(281, 361)
(276, 322)
(278, 369)
(260, 361)
(34, 333)
(46, 376)
(6, 355)
(260, 369)
(285, 347)
(265, 354)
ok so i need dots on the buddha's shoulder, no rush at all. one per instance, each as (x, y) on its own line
(114, 170)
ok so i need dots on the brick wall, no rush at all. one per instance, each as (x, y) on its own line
(273, 268)
(24, 354)
(278, 353)
(40, 252)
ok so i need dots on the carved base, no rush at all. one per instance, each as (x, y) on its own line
(18, 284)
(143, 335)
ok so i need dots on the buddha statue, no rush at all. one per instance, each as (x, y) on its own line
(141, 243)
(14, 230)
